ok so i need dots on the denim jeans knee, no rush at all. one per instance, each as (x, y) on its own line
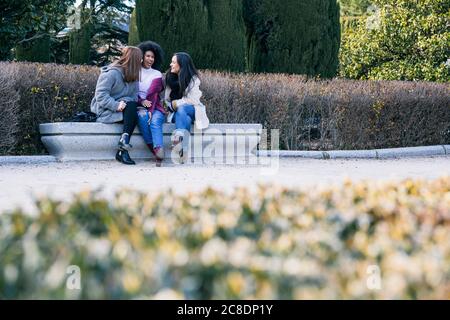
(156, 128)
(184, 117)
(144, 128)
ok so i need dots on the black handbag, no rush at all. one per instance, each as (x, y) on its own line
(84, 117)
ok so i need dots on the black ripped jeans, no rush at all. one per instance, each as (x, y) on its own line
(130, 118)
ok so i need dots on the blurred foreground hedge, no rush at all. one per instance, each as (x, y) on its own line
(271, 243)
(311, 114)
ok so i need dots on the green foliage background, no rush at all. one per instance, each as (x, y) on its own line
(404, 40)
(27, 24)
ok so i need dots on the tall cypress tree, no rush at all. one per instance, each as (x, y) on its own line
(133, 35)
(211, 31)
(226, 36)
(293, 36)
(37, 50)
(80, 44)
(175, 24)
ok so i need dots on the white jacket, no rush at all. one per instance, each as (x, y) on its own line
(191, 96)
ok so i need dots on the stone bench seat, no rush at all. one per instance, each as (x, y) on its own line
(69, 141)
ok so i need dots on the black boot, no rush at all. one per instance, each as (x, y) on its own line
(124, 142)
(123, 157)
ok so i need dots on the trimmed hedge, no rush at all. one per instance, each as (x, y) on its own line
(9, 103)
(272, 243)
(46, 93)
(311, 114)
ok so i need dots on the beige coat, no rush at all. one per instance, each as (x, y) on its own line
(191, 96)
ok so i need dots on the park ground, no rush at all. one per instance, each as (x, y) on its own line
(22, 184)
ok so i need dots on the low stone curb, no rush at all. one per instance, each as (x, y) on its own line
(26, 159)
(395, 153)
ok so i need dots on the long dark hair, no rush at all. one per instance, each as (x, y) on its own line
(187, 71)
(157, 51)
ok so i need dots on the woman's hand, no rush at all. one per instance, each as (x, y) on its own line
(122, 106)
(168, 106)
(147, 104)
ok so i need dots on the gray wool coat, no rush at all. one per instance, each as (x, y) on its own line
(110, 90)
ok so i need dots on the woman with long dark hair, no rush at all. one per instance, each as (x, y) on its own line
(151, 114)
(115, 99)
(182, 98)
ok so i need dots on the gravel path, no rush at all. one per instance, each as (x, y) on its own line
(21, 183)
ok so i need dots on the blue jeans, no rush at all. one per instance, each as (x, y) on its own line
(151, 132)
(183, 118)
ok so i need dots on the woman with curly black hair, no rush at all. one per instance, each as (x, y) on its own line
(151, 114)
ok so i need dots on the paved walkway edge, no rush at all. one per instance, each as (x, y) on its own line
(26, 159)
(394, 153)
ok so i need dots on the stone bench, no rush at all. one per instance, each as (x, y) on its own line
(69, 141)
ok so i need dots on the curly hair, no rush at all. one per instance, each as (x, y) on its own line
(157, 51)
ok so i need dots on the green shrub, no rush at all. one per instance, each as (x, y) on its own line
(270, 243)
(410, 41)
(311, 114)
(353, 11)
(354, 7)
